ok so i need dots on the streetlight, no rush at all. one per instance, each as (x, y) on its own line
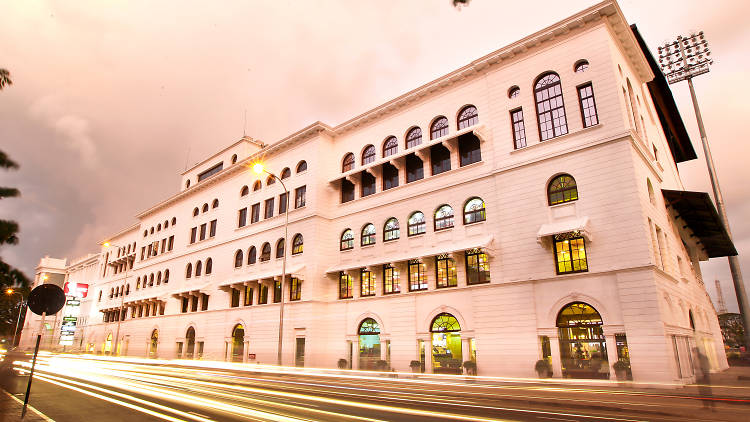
(259, 168)
(122, 295)
(684, 59)
(11, 292)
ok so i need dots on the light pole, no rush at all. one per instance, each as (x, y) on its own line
(258, 168)
(122, 295)
(11, 292)
(682, 60)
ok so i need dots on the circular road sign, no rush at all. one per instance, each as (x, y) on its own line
(46, 298)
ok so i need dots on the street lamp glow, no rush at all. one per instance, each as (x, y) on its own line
(9, 292)
(258, 168)
(106, 244)
(45, 277)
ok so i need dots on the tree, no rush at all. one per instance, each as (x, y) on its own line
(4, 78)
(732, 329)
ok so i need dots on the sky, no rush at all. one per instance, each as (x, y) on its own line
(111, 100)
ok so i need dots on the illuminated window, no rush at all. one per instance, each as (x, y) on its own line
(368, 235)
(347, 240)
(549, 107)
(297, 244)
(295, 289)
(416, 223)
(391, 229)
(368, 155)
(263, 294)
(367, 283)
(248, 296)
(467, 117)
(445, 269)
(570, 254)
(477, 267)
(390, 279)
(443, 217)
(265, 252)
(390, 146)
(238, 258)
(439, 127)
(345, 286)
(474, 211)
(562, 189)
(348, 163)
(417, 275)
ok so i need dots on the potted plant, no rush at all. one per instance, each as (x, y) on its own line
(416, 366)
(381, 365)
(343, 364)
(471, 367)
(621, 367)
(543, 368)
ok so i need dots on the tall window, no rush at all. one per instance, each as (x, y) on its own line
(212, 228)
(255, 213)
(416, 223)
(347, 240)
(439, 127)
(347, 191)
(262, 294)
(301, 166)
(367, 181)
(238, 258)
(269, 208)
(242, 218)
(297, 244)
(277, 291)
(445, 270)
(209, 266)
(390, 279)
(368, 235)
(413, 137)
(345, 285)
(252, 255)
(235, 300)
(440, 158)
(280, 246)
(368, 155)
(474, 211)
(467, 117)
(193, 233)
(588, 106)
(188, 273)
(248, 296)
(549, 107)
(477, 267)
(265, 252)
(295, 289)
(348, 163)
(391, 229)
(390, 146)
(299, 196)
(367, 283)
(469, 150)
(390, 176)
(198, 268)
(443, 217)
(203, 233)
(561, 189)
(414, 168)
(570, 254)
(417, 276)
(283, 202)
(519, 129)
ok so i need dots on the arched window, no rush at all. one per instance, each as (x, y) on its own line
(151, 230)
(348, 163)
(174, 221)
(166, 225)
(651, 196)
(137, 284)
(187, 184)
(443, 217)
(158, 278)
(549, 106)
(198, 268)
(238, 258)
(369, 326)
(234, 158)
(244, 191)
(368, 154)
(215, 204)
(205, 208)
(166, 276)
(467, 117)
(562, 189)
(391, 229)
(390, 146)
(188, 273)
(413, 137)
(158, 227)
(444, 323)
(582, 342)
(347, 240)
(691, 319)
(256, 186)
(474, 210)
(368, 235)
(416, 223)
(252, 255)
(238, 343)
(514, 91)
(280, 246)
(209, 266)
(153, 344)
(270, 181)
(297, 244)
(301, 166)
(581, 66)
(145, 233)
(439, 127)
(127, 290)
(190, 340)
(265, 252)
(286, 173)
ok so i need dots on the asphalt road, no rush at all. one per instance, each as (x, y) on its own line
(83, 388)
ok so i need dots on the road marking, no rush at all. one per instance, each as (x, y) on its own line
(38, 413)
(199, 415)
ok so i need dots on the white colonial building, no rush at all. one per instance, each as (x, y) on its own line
(526, 206)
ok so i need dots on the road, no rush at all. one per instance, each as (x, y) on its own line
(81, 388)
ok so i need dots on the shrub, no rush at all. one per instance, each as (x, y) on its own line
(343, 364)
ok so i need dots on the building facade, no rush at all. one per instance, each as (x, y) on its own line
(526, 206)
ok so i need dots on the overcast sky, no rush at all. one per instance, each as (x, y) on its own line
(111, 99)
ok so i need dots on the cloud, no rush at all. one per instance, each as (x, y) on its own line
(74, 130)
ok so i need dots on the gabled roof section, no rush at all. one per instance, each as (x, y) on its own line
(666, 108)
(702, 219)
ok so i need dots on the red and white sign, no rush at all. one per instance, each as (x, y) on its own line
(79, 290)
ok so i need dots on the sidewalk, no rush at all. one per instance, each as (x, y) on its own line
(10, 410)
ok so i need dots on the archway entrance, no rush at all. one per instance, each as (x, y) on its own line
(238, 343)
(446, 345)
(108, 345)
(153, 344)
(369, 344)
(583, 350)
(190, 339)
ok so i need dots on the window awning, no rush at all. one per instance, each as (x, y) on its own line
(480, 242)
(701, 217)
(291, 270)
(579, 225)
(188, 292)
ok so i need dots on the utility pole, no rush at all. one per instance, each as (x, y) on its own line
(681, 60)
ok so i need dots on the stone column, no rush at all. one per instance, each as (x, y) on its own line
(355, 352)
(465, 349)
(609, 337)
(554, 346)
(428, 354)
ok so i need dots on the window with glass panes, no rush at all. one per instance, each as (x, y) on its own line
(562, 188)
(439, 128)
(414, 137)
(282, 203)
(549, 107)
(588, 106)
(390, 146)
(212, 228)
(242, 218)
(269, 208)
(474, 211)
(416, 223)
(477, 267)
(255, 213)
(390, 279)
(368, 235)
(295, 289)
(440, 159)
(391, 230)
(445, 270)
(347, 240)
(248, 295)
(417, 276)
(467, 117)
(297, 244)
(390, 176)
(570, 254)
(366, 282)
(368, 155)
(299, 196)
(277, 291)
(367, 183)
(519, 128)
(263, 294)
(347, 191)
(443, 217)
(345, 286)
